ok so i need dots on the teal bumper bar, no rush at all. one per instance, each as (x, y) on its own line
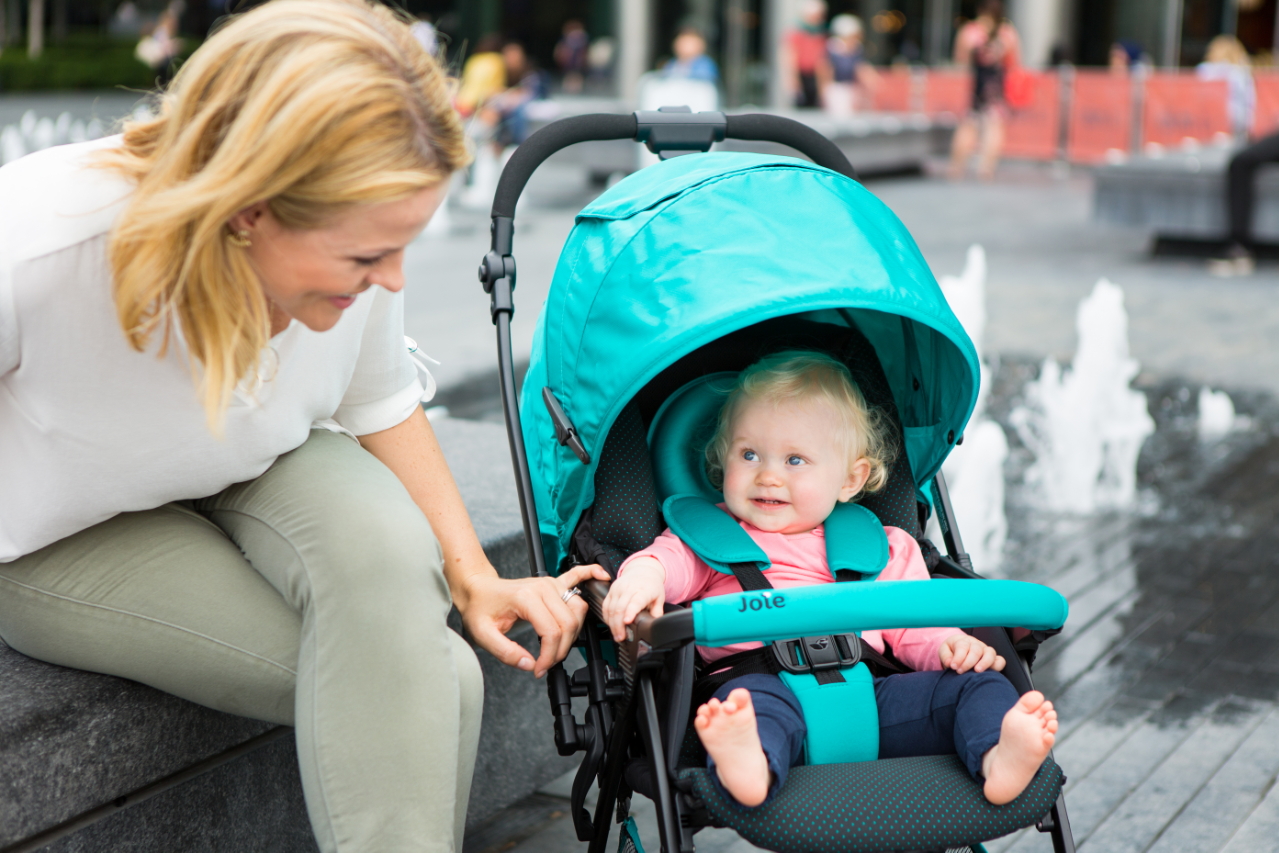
(807, 611)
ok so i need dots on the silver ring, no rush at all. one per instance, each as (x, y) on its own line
(569, 593)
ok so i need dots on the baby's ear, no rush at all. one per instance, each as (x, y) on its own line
(858, 474)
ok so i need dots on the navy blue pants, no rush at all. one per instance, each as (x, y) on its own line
(920, 713)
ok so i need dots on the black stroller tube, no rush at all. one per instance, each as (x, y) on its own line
(537, 148)
(762, 127)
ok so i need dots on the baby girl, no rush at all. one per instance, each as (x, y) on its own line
(794, 438)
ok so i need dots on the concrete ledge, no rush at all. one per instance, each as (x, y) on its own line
(1181, 195)
(875, 143)
(72, 741)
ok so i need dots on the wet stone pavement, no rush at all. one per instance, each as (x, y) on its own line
(1167, 673)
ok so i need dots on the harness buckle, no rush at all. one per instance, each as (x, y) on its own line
(814, 654)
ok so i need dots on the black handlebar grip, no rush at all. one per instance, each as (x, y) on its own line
(762, 127)
(545, 142)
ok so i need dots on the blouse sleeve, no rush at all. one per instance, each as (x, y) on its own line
(384, 389)
(918, 648)
(8, 324)
(685, 574)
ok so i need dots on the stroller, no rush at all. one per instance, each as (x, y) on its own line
(679, 276)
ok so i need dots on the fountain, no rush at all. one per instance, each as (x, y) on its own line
(1217, 416)
(975, 470)
(35, 134)
(1085, 425)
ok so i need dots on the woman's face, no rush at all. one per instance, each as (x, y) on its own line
(313, 275)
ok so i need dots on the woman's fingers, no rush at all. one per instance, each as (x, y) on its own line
(490, 638)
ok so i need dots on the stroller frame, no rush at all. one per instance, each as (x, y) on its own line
(668, 639)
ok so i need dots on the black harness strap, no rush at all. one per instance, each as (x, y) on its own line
(750, 577)
(763, 660)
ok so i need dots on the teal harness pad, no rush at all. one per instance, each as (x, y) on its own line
(839, 711)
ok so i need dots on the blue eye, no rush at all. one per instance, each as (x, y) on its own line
(750, 455)
(794, 460)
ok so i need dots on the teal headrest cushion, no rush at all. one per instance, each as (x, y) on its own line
(679, 433)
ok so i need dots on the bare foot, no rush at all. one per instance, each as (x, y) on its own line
(1027, 734)
(727, 730)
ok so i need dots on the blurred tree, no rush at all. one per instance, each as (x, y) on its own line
(59, 21)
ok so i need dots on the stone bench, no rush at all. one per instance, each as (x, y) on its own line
(76, 745)
(1181, 195)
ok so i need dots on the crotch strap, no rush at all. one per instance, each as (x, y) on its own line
(835, 689)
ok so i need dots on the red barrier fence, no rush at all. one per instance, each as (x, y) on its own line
(1100, 116)
(1266, 118)
(894, 91)
(948, 92)
(1181, 106)
(1032, 132)
(1099, 109)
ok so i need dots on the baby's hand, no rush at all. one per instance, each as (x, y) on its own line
(962, 652)
(639, 588)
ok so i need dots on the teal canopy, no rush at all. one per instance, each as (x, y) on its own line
(690, 249)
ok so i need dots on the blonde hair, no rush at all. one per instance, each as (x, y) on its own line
(311, 106)
(801, 375)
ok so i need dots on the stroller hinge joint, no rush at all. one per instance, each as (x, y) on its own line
(671, 129)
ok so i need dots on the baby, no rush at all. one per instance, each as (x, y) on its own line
(795, 437)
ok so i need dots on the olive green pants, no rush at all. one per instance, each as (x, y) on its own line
(312, 596)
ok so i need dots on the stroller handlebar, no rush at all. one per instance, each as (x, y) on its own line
(768, 615)
(759, 127)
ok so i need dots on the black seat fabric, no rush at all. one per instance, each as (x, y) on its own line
(626, 516)
(924, 803)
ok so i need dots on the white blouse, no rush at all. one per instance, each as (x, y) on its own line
(90, 428)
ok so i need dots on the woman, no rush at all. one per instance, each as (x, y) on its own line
(989, 45)
(179, 307)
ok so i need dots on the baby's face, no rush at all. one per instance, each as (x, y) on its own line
(786, 467)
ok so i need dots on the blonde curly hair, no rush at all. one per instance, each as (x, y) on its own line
(804, 375)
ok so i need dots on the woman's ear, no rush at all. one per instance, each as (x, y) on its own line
(858, 474)
(249, 218)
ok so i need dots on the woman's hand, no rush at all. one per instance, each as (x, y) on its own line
(962, 652)
(491, 606)
(639, 588)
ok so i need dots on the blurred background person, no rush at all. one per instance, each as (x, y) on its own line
(1126, 57)
(160, 47)
(852, 79)
(1227, 59)
(505, 113)
(803, 55)
(571, 55)
(989, 46)
(483, 75)
(690, 61)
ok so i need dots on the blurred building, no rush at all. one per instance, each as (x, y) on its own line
(742, 34)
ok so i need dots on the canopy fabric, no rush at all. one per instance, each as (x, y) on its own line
(690, 249)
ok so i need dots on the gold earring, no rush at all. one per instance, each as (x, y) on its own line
(240, 239)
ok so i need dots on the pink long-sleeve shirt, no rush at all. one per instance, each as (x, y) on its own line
(798, 559)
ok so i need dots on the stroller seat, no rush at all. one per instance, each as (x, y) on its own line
(921, 803)
(924, 803)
